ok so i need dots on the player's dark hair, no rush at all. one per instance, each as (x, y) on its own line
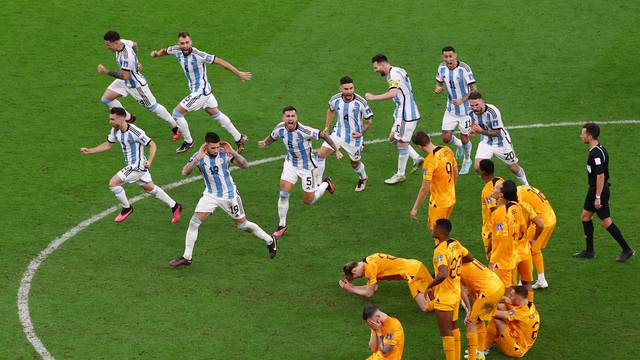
(183, 34)
(486, 166)
(509, 190)
(346, 80)
(592, 129)
(368, 311)
(521, 291)
(211, 138)
(348, 269)
(379, 58)
(118, 111)
(448, 48)
(474, 95)
(444, 224)
(288, 108)
(421, 138)
(111, 36)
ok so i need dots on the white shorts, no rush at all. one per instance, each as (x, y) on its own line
(130, 175)
(354, 152)
(451, 121)
(403, 130)
(504, 152)
(291, 174)
(142, 94)
(208, 203)
(197, 101)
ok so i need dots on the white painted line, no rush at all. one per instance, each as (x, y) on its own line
(27, 276)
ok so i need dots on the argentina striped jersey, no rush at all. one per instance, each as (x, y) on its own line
(216, 175)
(133, 141)
(194, 65)
(406, 107)
(127, 59)
(490, 119)
(457, 82)
(350, 115)
(298, 144)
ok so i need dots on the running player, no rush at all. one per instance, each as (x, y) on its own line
(405, 116)
(133, 141)
(387, 336)
(459, 80)
(298, 163)
(213, 160)
(494, 137)
(348, 133)
(129, 81)
(486, 171)
(194, 64)
(380, 266)
(440, 175)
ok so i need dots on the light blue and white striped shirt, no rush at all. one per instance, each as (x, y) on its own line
(216, 175)
(490, 119)
(406, 107)
(298, 144)
(457, 82)
(133, 141)
(194, 65)
(350, 115)
(127, 59)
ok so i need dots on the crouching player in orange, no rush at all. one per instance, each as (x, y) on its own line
(486, 171)
(387, 336)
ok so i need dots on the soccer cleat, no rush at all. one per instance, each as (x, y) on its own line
(124, 214)
(330, 188)
(466, 165)
(584, 254)
(177, 211)
(540, 285)
(280, 231)
(625, 255)
(395, 179)
(362, 184)
(416, 165)
(176, 134)
(184, 147)
(240, 143)
(273, 247)
(179, 262)
(132, 119)
(479, 355)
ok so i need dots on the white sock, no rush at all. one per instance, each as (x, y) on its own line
(467, 150)
(455, 141)
(161, 195)
(403, 156)
(163, 114)
(256, 230)
(115, 103)
(228, 125)
(541, 278)
(320, 191)
(522, 177)
(182, 124)
(319, 171)
(283, 207)
(360, 171)
(118, 191)
(192, 236)
(413, 154)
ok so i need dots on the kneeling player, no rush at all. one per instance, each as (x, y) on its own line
(387, 336)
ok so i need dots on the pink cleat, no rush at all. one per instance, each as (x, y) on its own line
(177, 211)
(280, 231)
(124, 214)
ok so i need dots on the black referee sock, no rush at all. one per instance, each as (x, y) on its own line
(615, 232)
(588, 234)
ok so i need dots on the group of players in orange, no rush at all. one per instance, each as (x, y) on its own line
(498, 299)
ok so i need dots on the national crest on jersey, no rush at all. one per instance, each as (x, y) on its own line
(350, 115)
(194, 66)
(406, 107)
(491, 119)
(457, 82)
(127, 59)
(216, 175)
(133, 141)
(298, 144)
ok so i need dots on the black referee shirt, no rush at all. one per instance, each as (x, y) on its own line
(597, 163)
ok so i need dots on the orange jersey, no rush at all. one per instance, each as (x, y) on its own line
(488, 203)
(538, 202)
(480, 279)
(507, 226)
(438, 167)
(523, 324)
(448, 253)
(381, 266)
(392, 334)
(528, 214)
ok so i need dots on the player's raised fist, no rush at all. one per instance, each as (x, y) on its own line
(85, 150)
(102, 69)
(368, 96)
(262, 144)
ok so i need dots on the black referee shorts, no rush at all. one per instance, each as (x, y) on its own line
(604, 211)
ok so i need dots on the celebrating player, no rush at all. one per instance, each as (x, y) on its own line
(298, 163)
(440, 175)
(348, 133)
(406, 114)
(380, 266)
(486, 171)
(494, 138)
(213, 160)
(133, 141)
(193, 62)
(387, 336)
(459, 80)
(129, 81)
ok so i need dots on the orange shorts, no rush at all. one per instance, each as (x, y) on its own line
(525, 270)
(455, 308)
(544, 237)
(419, 283)
(436, 213)
(506, 275)
(484, 306)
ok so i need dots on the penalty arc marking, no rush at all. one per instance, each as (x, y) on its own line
(27, 277)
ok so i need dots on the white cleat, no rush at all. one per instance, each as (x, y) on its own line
(466, 166)
(416, 165)
(540, 285)
(479, 355)
(395, 179)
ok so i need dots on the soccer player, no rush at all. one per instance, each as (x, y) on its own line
(459, 80)
(348, 133)
(387, 336)
(597, 200)
(532, 227)
(133, 141)
(298, 163)
(487, 290)
(543, 209)
(448, 255)
(440, 175)
(486, 171)
(129, 81)
(213, 160)
(515, 325)
(193, 62)
(381, 266)
(405, 116)
(494, 137)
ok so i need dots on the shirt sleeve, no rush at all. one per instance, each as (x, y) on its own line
(173, 50)
(370, 272)
(111, 137)
(126, 62)
(440, 257)
(496, 123)
(428, 168)
(597, 162)
(392, 335)
(208, 58)
(439, 75)
(394, 80)
(468, 76)
(275, 134)
(144, 139)
(366, 111)
(312, 134)
(499, 233)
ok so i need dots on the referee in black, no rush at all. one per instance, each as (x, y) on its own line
(597, 201)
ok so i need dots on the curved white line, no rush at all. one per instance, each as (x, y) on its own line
(27, 276)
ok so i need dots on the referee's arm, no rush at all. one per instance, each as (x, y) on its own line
(599, 187)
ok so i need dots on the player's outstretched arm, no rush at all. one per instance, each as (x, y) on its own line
(329, 118)
(97, 149)
(121, 74)
(159, 53)
(325, 136)
(388, 95)
(364, 290)
(267, 141)
(242, 75)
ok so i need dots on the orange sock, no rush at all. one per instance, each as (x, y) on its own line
(481, 329)
(458, 342)
(449, 346)
(530, 295)
(538, 262)
(472, 339)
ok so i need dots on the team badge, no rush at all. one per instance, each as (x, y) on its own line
(389, 336)
(489, 200)
(439, 258)
(499, 226)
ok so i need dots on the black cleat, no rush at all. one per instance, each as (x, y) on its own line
(179, 262)
(625, 255)
(184, 147)
(273, 247)
(330, 188)
(132, 119)
(240, 143)
(584, 254)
